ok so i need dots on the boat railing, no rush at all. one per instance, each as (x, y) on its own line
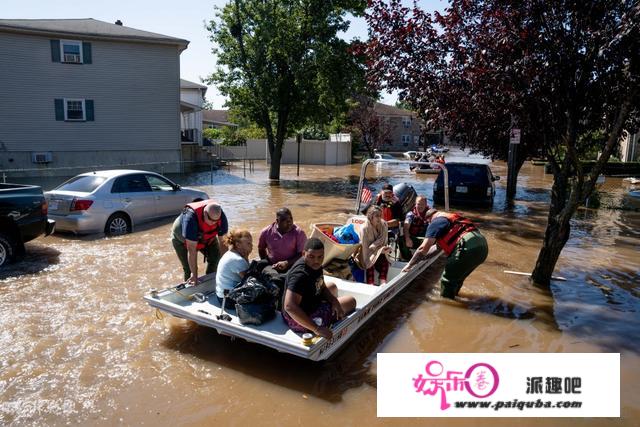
(434, 165)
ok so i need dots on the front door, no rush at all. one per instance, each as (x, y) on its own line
(169, 199)
(136, 197)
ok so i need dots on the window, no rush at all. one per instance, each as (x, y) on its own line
(82, 183)
(71, 51)
(74, 109)
(406, 139)
(159, 184)
(131, 184)
(406, 121)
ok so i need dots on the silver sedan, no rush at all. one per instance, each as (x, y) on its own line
(115, 201)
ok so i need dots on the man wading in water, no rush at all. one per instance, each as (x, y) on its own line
(459, 238)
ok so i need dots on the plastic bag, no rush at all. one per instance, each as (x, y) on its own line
(256, 296)
(254, 290)
(346, 234)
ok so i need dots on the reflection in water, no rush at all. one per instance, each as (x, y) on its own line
(79, 345)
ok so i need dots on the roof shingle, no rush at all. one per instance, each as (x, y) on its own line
(87, 27)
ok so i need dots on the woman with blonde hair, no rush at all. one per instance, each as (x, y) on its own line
(374, 246)
(234, 263)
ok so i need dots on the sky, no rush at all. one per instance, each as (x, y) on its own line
(182, 19)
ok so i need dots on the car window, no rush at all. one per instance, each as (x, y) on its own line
(159, 184)
(466, 173)
(82, 183)
(131, 184)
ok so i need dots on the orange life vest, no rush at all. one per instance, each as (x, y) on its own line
(387, 212)
(459, 226)
(206, 232)
(419, 224)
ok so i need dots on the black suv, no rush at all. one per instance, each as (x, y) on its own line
(469, 183)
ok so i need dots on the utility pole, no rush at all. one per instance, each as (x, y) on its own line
(299, 141)
(512, 172)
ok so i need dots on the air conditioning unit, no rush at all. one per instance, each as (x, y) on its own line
(42, 157)
(71, 57)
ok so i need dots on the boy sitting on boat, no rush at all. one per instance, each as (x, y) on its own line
(310, 304)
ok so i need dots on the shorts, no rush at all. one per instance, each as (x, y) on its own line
(323, 312)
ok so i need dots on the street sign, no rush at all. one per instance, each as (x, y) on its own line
(514, 136)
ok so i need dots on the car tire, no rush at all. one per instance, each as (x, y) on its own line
(117, 224)
(7, 250)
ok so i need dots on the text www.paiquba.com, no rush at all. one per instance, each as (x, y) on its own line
(518, 404)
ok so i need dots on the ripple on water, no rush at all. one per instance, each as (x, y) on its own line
(78, 344)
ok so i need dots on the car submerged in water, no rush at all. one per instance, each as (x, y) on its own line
(469, 183)
(114, 201)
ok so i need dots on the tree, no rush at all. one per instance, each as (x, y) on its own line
(282, 65)
(557, 70)
(369, 128)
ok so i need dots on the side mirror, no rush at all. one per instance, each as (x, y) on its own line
(496, 178)
(176, 187)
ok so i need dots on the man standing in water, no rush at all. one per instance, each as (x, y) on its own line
(459, 238)
(199, 228)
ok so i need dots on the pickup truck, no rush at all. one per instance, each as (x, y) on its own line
(23, 217)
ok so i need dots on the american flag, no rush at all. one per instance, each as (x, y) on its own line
(366, 195)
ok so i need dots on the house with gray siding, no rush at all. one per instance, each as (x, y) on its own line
(192, 97)
(82, 93)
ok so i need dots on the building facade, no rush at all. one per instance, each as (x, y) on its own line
(192, 96)
(83, 93)
(405, 128)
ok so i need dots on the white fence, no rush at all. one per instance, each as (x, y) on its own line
(312, 152)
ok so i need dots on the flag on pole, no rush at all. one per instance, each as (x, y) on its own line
(366, 195)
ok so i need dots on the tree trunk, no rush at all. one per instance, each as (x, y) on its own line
(369, 146)
(276, 157)
(555, 237)
(556, 233)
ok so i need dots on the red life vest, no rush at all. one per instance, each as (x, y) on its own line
(387, 212)
(459, 226)
(206, 232)
(419, 224)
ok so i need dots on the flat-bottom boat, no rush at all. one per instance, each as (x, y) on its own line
(178, 301)
(205, 309)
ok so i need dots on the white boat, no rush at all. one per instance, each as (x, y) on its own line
(206, 310)
(632, 180)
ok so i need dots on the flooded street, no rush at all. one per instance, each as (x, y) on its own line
(79, 345)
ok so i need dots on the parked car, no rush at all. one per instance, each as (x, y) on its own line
(383, 156)
(115, 201)
(23, 217)
(469, 183)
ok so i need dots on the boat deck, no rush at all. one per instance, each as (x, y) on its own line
(275, 333)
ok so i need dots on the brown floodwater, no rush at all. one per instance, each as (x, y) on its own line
(79, 345)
